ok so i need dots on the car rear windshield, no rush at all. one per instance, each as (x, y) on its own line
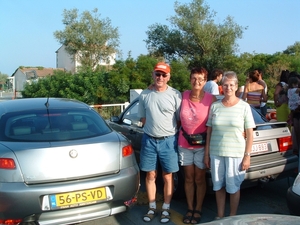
(258, 118)
(52, 125)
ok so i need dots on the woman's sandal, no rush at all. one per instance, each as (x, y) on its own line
(187, 219)
(149, 216)
(196, 220)
(165, 216)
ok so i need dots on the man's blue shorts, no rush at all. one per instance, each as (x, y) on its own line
(162, 150)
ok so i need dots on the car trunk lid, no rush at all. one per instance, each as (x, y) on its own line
(68, 160)
(273, 137)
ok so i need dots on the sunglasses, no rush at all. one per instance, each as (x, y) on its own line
(161, 74)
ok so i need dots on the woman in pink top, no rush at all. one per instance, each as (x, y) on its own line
(195, 107)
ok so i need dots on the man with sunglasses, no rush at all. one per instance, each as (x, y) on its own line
(159, 109)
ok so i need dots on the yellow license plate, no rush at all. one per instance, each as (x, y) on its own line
(77, 198)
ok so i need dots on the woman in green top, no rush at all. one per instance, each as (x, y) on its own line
(280, 97)
(227, 152)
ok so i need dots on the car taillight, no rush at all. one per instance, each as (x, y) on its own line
(285, 143)
(10, 221)
(127, 150)
(7, 163)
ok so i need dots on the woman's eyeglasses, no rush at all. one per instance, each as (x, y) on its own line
(199, 80)
(161, 74)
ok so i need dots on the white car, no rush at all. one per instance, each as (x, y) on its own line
(293, 197)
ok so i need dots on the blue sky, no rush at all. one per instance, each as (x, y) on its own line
(27, 26)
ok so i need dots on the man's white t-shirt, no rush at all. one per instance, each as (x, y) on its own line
(211, 87)
(262, 104)
(161, 110)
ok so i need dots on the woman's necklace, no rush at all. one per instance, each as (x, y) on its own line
(199, 97)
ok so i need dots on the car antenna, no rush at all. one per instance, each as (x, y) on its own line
(47, 106)
(47, 102)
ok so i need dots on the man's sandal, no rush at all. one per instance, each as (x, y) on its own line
(150, 215)
(196, 220)
(165, 216)
(187, 219)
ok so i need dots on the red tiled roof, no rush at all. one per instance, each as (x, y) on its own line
(41, 72)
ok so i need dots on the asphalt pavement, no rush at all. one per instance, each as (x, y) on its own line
(267, 199)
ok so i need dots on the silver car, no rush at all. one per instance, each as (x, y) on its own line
(60, 163)
(272, 156)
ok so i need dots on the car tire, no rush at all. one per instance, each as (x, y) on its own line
(178, 179)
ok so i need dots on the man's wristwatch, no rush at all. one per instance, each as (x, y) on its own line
(247, 153)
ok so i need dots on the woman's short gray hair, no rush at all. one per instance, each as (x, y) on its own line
(230, 75)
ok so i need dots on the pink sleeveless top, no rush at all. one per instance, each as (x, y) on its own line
(193, 116)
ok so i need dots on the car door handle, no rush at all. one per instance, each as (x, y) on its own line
(132, 131)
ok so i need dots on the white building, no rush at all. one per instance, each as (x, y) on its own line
(66, 61)
(27, 75)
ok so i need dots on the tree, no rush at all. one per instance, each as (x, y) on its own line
(3, 80)
(295, 48)
(65, 85)
(88, 37)
(129, 74)
(195, 37)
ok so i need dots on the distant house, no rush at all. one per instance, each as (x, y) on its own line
(68, 62)
(29, 75)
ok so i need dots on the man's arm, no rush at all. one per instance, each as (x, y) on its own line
(206, 149)
(143, 120)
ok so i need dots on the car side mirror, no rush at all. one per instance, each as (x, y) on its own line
(114, 119)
